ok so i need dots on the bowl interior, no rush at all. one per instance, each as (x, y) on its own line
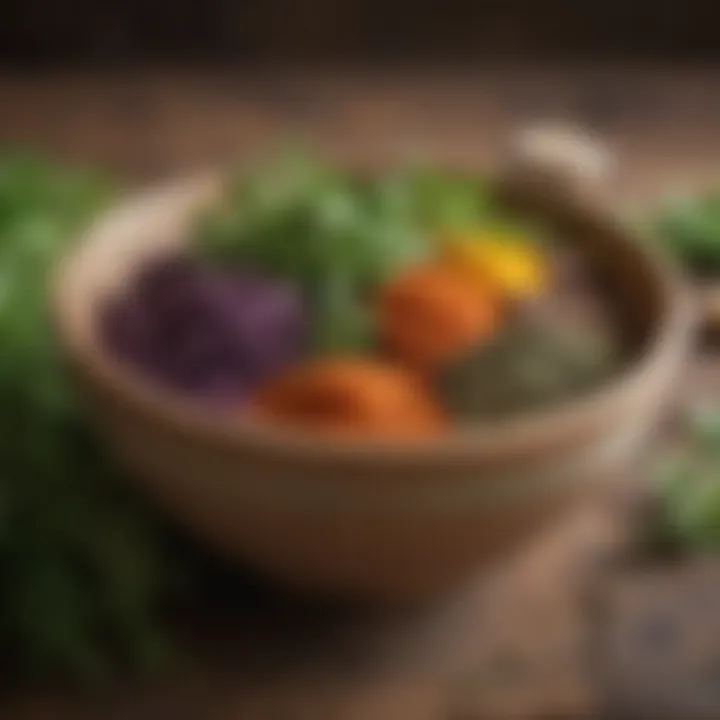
(646, 302)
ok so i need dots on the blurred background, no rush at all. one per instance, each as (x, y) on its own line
(148, 87)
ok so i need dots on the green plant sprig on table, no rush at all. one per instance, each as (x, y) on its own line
(79, 565)
(689, 226)
(688, 484)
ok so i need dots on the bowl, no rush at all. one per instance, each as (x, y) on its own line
(370, 520)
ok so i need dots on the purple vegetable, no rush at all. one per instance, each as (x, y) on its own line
(207, 332)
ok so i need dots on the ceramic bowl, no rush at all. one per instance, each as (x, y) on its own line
(364, 519)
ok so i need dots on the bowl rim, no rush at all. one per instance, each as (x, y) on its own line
(564, 423)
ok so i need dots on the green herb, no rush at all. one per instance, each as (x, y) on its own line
(338, 236)
(689, 486)
(79, 565)
(690, 228)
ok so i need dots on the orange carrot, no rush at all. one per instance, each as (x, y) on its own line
(431, 314)
(350, 396)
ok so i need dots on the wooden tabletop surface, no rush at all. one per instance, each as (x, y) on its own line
(662, 122)
(513, 647)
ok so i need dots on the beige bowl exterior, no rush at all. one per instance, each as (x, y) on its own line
(363, 519)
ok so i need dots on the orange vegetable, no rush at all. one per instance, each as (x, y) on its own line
(432, 314)
(350, 396)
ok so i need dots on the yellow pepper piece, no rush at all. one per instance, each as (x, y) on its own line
(515, 269)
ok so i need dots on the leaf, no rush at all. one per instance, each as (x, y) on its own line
(690, 227)
(689, 483)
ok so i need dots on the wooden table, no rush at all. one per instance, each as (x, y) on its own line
(663, 122)
(517, 646)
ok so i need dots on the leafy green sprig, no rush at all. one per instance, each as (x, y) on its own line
(688, 483)
(80, 566)
(690, 228)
